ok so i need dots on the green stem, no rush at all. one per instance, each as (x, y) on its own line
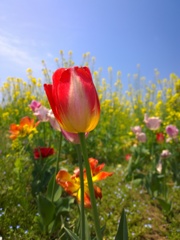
(57, 166)
(78, 149)
(44, 132)
(90, 186)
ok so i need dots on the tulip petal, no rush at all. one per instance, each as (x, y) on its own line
(26, 120)
(64, 179)
(57, 75)
(101, 175)
(73, 99)
(94, 168)
(49, 93)
(98, 192)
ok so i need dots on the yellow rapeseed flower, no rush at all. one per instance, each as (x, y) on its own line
(33, 80)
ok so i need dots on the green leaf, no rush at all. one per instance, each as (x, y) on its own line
(64, 204)
(87, 232)
(122, 233)
(46, 210)
(58, 189)
(102, 231)
(137, 182)
(72, 235)
(166, 206)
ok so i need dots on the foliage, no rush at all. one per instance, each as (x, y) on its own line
(150, 198)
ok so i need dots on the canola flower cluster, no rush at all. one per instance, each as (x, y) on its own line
(119, 112)
(120, 109)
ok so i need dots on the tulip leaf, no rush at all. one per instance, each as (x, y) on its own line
(122, 233)
(46, 210)
(166, 206)
(72, 235)
(102, 231)
(87, 232)
(57, 189)
(64, 204)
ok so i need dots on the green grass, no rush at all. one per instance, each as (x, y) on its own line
(109, 142)
(18, 209)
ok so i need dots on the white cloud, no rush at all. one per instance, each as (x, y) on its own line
(18, 52)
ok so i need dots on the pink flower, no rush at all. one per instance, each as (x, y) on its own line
(54, 123)
(153, 123)
(136, 129)
(39, 111)
(34, 105)
(172, 131)
(42, 114)
(141, 137)
(72, 137)
(165, 154)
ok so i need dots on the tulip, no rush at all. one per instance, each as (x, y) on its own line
(53, 122)
(172, 131)
(39, 111)
(141, 137)
(73, 99)
(43, 152)
(34, 105)
(153, 123)
(165, 154)
(71, 183)
(136, 129)
(72, 137)
(128, 157)
(160, 137)
(41, 114)
(26, 126)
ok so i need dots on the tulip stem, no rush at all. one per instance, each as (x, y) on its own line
(82, 212)
(90, 185)
(57, 166)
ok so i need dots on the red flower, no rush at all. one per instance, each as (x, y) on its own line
(43, 152)
(73, 99)
(160, 137)
(128, 156)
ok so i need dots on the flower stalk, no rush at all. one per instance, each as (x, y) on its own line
(90, 185)
(57, 166)
(82, 210)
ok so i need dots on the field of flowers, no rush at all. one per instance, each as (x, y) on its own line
(136, 145)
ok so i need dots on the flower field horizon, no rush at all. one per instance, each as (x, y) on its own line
(137, 139)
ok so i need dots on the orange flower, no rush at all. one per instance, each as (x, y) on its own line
(73, 99)
(26, 126)
(71, 183)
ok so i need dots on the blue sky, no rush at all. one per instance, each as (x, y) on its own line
(119, 33)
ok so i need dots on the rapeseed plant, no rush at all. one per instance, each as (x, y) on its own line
(112, 140)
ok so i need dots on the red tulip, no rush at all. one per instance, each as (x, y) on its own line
(43, 152)
(160, 137)
(128, 156)
(73, 99)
